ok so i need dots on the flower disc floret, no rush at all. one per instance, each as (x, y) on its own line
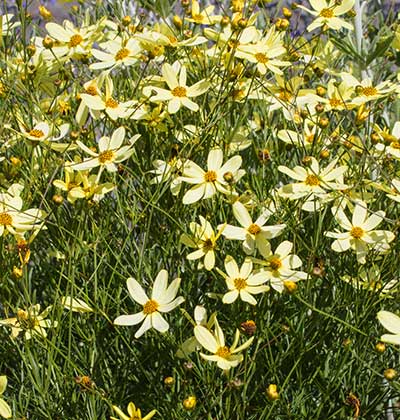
(75, 40)
(223, 352)
(179, 91)
(150, 307)
(357, 232)
(106, 156)
(5, 219)
(36, 133)
(326, 13)
(121, 54)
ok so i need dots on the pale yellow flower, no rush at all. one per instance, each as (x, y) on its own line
(5, 410)
(253, 234)
(360, 234)
(133, 413)
(204, 17)
(163, 299)
(30, 322)
(110, 153)
(13, 219)
(315, 184)
(280, 266)
(179, 94)
(242, 282)
(119, 52)
(218, 176)
(327, 13)
(205, 240)
(226, 357)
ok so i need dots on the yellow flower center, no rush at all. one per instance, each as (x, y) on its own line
(369, 91)
(210, 176)
(198, 18)
(312, 180)
(106, 156)
(285, 95)
(5, 219)
(395, 145)
(179, 91)
(254, 229)
(334, 102)
(111, 103)
(121, 54)
(36, 133)
(172, 39)
(150, 307)
(261, 58)
(357, 232)
(223, 352)
(208, 245)
(26, 321)
(91, 90)
(240, 283)
(275, 263)
(75, 40)
(310, 138)
(326, 13)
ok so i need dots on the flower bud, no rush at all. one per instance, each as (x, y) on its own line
(272, 392)
(189, 403)
(169, 381)
(390, 374)
(48, 43)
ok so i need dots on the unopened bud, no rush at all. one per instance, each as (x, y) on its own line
(272, 392)
(390, 374)
(47, 42)
(189, 403)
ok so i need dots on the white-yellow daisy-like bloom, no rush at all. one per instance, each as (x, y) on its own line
(253, 234)
(280, 266)
(30, 322)
(106, 102)
(71, 41)
(327, 13)
(370, 279)
(205, 240)
(218, 177)
(265, 52)
(46, 135)
(119, 52)
(391, 322)
(242, 282)
(5, 410)
(179, 94)
(13, 219)
(79, 184)
(226, 357)
(360, 234)
(200, 318)
(163, 299)
(315, 183)
(365, 90)
(307, 137)
(392, 141)
(204, 17)
(133, 413)
(168, 171)
(110, 153)
(338, 97)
